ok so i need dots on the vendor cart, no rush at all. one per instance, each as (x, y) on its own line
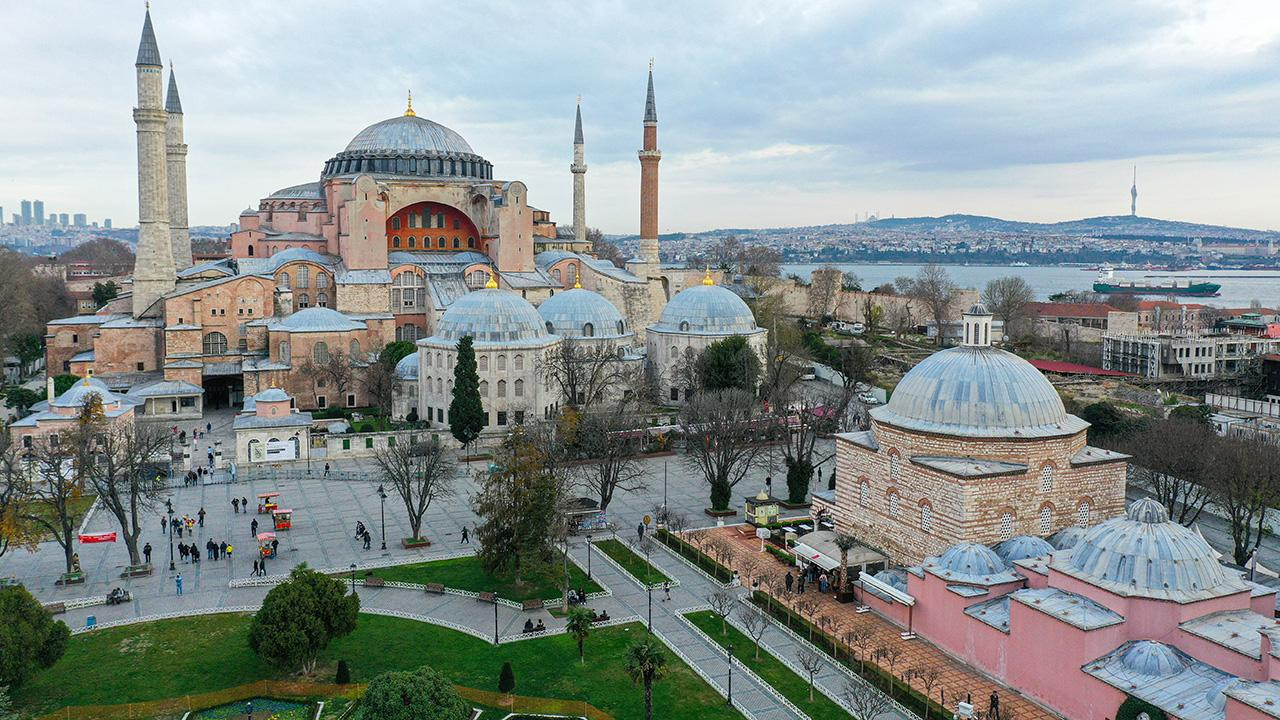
(267, 544)
(283, 519)
(268, 502)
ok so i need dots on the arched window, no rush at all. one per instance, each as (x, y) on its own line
(588, 330)
(440, 243)
(1046, 520)
(395, 241)
(250, 251)
(926, 517)
(304, 300)
(439, 386)
(304, 276)
(555, 273)
(484, 388)
(215, 343)
(502, 362)
(427, 356)
(322, 280)
(457, 244)
(1006, 526)
(1082, 514)
(413, 242)
(482, 363)
(502, 388)
(284, 351)
(355, 348)
(283, 280)
(1046, 478)
(622, 327)
(893, 504)
(519, 388)
(519, 361)
(684, 326)
(550, 330)
(471, 242)
(322, 300)
(673, 353)
(895, 467)
(320, 352)
(395, 224)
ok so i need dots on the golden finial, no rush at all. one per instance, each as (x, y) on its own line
(409, 111)
(706, 279)
(577, 283)
(493, 280)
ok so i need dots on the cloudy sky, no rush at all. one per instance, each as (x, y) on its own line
(771, 113)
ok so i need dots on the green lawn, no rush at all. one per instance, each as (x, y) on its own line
(783, 679)
(171, 658)
(639, 568)
(466, 573)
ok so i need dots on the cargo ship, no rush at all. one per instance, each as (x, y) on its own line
(1107, 284)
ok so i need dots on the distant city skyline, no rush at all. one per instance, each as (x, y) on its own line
(1027, 111)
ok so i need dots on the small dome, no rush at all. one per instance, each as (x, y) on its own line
(978, 391)
(491, 315)
(409, 134)
(568, 314)
(1145, 554)
(318, 319)
(896, 579)
(977, 309)
(1021, 547)
(75, 396)
(706, 310)
(1066, 538)
(271, 395)
(407, 368)
(1154, 659)
(967, 561)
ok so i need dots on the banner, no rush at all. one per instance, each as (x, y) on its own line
(101, 537)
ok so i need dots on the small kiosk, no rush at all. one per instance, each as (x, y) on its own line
(268, 502)
(283, 518)
(762, 509)
(266, 544)
(585, 516)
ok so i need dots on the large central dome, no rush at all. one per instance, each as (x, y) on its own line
(978, 391)
(409, 146)
(409, 134)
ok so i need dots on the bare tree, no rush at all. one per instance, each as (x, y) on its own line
(722, 603)
(824, 289)
(53, 489)
(860, 637)
(929, 676)
(585, 375)
(808, 608)
(333, 368)
(419, 474)
(721, 431)
(890, 652)
(126, 475)
(613, 462)
(379, 381)
(754, 623)
(812, 662)
(1009, 299)
(867, 702)
(1175, 458)
(1246, 482)
(933, 287)
(873, 314)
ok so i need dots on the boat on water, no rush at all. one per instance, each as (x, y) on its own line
(1108, 284)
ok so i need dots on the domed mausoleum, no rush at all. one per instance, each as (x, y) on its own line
(973, 446)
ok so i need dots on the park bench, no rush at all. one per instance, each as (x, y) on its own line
(56, 608)
(534, 604)
(487, 597)
(435, 588)
(374, 581)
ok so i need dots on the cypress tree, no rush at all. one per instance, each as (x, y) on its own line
(466, 413)
(506, 679)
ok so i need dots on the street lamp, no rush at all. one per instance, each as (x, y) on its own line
(353, 578)
(169, 506)
(650, 590)
(382, 511)
(729, 698)
(588, 558)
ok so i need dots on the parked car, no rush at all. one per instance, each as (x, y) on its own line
(868, 399)
(809, 373)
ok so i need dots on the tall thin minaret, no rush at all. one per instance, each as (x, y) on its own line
(176, 154)
(153, 271)
(1133, 194)
(649, 157)
(579, 170)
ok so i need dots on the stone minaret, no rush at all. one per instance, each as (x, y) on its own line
(176, 152)
(649, 157)
(579, 170)
(153, 271)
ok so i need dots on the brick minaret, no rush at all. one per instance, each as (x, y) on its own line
(579, 170)
(153, 271)
(649, 157)
(176, 152)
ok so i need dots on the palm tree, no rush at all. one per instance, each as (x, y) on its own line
(845, 543)
(647, 663)
(579, 626)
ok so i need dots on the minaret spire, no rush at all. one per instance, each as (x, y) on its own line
(579, 170)
(175, 147)
(153, 270)
(649, 158)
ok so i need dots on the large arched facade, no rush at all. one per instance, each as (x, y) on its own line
(432, 226)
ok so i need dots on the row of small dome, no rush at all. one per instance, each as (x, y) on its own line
(493, 315)
(1142, 553)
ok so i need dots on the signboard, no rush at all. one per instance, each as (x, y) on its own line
(647, 519)
(763, 533)
(99, 537)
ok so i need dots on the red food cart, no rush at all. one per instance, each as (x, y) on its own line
(283, 518)
(268, 502)
(266, 544)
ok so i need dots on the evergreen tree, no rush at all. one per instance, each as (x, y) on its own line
(300, 616)
(466, 413)
(506, 679)
(30, 639)
(421, 694)
(519, 506)
(728, 363)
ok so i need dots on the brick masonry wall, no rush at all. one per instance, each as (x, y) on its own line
(965, 509)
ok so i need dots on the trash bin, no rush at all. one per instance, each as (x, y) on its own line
(91, 621)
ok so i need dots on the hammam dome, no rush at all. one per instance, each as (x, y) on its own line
(707, 309)
(490, 315)
(579, 313)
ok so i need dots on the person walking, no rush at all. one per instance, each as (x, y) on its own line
(822, 582)
(178, 582)
(195, 554)
(201, 515)
(326, 469)
(146, 553)
(640, 531)
(230, 549)
(255, 568)
(368, 539)
(208, 427)
(993, 706)
(253, 528)
(222, 549)
(211, 456)
(244, 503)
(164, 524)
(666, 591)
(789, 580)
(235, 505)
(466, 539)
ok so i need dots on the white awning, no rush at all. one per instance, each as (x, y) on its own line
(807, 553)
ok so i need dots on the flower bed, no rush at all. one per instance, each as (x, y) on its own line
(262, 707)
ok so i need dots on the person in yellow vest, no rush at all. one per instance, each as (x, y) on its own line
(230, 548)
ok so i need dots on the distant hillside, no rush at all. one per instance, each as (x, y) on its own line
(1108, 225)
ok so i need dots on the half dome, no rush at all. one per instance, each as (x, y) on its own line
(490, 315)
(978, 391)
(580, 313)
(707, 310)
(1066, 538)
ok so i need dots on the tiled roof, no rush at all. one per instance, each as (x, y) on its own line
(1075, 310)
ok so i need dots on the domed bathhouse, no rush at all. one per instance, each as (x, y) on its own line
(694, 319)
(1139, 609)
(973, 446)
(511, 342)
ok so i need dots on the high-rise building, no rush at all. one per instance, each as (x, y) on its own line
(107, 223)
(26, 212)
(39, 212)
(1, 215)
(62, 219)
(1133, 194)
(80, 219)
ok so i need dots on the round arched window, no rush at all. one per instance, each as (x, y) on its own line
(684, 326)
(588, 330)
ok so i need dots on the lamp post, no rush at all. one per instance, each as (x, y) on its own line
(169, 507)
(382, 512)
(729, 698)
(495, 617)
(588, 558)
(664, 489)
(650, 591)
(353, 578)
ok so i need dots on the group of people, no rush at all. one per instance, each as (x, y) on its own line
(577, 597)
(194, 477)
(530, 627)
(239, 505)
(186, 523)
(362, 533)
(809, 576)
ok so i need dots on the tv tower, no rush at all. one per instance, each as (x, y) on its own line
(1133, 194)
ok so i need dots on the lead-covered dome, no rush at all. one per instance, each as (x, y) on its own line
(967, 562)
(490, 315)
(1021, 547)
(580, 313)
(409, 134)
(1153, 659)
(409, 146)
(1145, 554)
(707, 310)
(978, 391)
